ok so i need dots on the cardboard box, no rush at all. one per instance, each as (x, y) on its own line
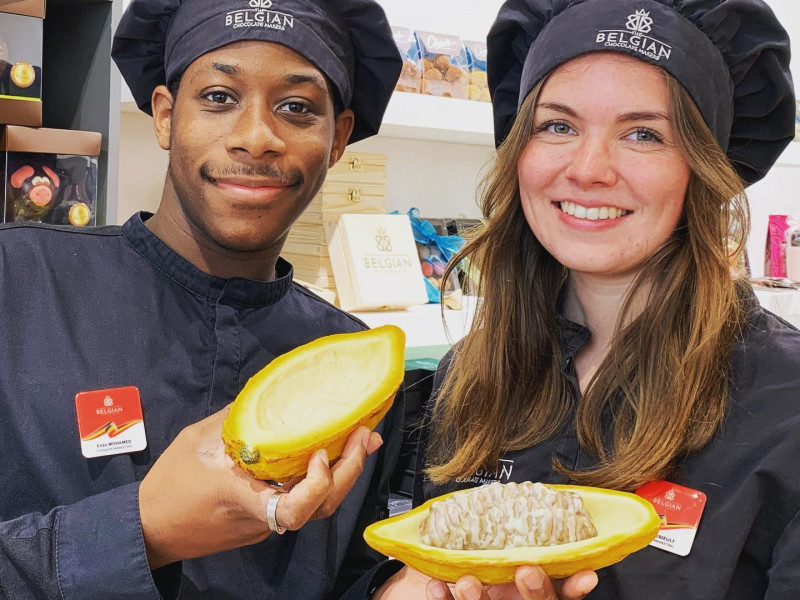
(21, 68)
(49, 175)
(375, 263)
(30, 8)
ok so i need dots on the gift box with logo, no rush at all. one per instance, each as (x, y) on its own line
(49, 175)
(21, 28)
(445, 66)
(375, 263)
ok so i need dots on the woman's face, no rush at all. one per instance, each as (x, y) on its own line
(602, 180)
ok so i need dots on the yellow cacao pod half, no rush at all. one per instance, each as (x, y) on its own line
(313, 397)
(624, 522)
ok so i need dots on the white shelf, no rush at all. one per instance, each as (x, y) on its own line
(423, 324)
(790, 156)
(420, 117)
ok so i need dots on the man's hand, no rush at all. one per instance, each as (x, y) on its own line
(530, 583)
(195, 501)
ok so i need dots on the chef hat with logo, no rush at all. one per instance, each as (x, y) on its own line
(732, 56)
(349, 41)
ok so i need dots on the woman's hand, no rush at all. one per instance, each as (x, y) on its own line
(195, 501)
(530, 583)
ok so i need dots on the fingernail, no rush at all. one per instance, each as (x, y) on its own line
(533, 579)
(323, 454)
(438, 589)
(471, 592)
(376, 440)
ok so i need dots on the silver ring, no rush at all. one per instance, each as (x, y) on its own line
(272, 517)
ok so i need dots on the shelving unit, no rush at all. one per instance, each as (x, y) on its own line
(428, 118)
(81, 86)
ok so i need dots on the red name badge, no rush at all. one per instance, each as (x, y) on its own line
(110, 421)
(680, 509)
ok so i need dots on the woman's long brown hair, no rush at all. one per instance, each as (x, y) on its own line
(665, 379)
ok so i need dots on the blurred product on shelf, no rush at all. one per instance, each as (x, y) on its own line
(435, 251)
(375, 262)
(49, 175)
(445, 66)
(797, 123)
(793, 247)
(411, 75)
(775, 250)
(478, 88)
(355, 184)
(21, 33)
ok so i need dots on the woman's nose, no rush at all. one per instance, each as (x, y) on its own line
(592, 164)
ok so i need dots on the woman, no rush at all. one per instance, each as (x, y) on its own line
(613, 346)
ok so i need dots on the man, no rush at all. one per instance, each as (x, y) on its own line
(254, 104)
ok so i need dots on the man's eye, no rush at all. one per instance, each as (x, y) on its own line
(218, 98)
(296, 107)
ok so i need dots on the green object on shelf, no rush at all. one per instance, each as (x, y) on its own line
(425, 357)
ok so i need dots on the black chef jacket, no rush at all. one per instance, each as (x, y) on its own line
(748, 543)
(86, 309)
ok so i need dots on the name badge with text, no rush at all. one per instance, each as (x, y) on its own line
(110, 421)
(680, 509)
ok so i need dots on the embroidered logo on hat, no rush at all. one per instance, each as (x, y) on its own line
(639, 21)
(634, 38)
(257, 15)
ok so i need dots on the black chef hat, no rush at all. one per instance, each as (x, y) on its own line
(348, 40)
(732, 56)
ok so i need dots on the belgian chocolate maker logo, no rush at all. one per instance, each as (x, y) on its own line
(634, 37)
(258, 14)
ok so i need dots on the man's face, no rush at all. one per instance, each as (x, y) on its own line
(251, 135)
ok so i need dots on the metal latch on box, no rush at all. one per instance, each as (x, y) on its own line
(354, 195)
(356, 164)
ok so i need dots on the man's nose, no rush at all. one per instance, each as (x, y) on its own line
(255, 131)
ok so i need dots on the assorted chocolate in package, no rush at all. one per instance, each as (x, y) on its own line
(411, 75)
(478, 87)
(435, 251)
(445, 66)
(49, 176)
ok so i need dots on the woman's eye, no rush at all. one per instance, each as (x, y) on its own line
(219, 98)
(645, 135)
(559, 128)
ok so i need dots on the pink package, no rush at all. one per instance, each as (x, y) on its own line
(775, 251)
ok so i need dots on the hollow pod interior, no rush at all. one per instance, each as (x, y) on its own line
(313, 397)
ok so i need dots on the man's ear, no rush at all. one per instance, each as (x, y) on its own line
(162, 103)
(344, 127)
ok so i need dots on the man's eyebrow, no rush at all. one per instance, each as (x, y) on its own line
(232, 70)
(312, 78)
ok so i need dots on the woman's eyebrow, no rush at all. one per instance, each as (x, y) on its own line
(558, 107)
(642, 116)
